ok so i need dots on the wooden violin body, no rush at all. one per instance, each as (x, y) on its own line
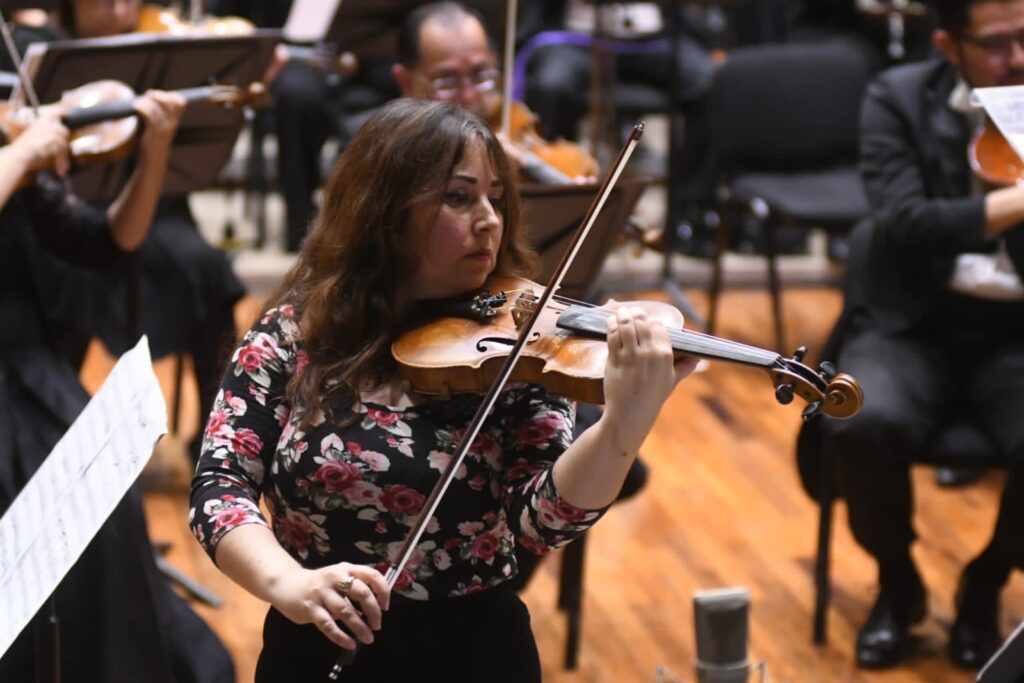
(993, 159)
(157, 19)
(557, 163)
(101, 116)
(463, 352)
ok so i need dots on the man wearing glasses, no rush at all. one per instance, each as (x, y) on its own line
(937, 323)
(444, 54)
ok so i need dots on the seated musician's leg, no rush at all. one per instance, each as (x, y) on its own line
(999, 397)
(872, 453)
(302, 115)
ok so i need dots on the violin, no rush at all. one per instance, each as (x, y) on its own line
(102, 121)
(553, 163)
(992, 158)
(156, 19)
(461, 350)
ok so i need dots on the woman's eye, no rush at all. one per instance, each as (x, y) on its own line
(456, 198)
(498, 202)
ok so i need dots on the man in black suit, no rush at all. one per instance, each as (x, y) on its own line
(938, 321)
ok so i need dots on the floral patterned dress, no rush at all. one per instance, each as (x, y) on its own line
(352, 494)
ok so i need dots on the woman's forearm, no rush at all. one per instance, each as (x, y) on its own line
(252, 558)
(590, 472)
(131, 214)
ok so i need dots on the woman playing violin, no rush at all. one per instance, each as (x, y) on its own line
(311, 413)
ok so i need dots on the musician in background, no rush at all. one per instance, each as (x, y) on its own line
(188, 289)
(936, 325)
(311, 105)
(445, 54)
(118, 619)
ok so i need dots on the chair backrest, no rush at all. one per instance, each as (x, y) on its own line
(790, 106)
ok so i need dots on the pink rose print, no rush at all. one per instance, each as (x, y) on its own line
(250, 358)
(485, 546)
(298, 532)
(336, 476)
(218, 418)
(247, 443)
(399, 499)
(568, 512)
(540, 430)
(384, 418)
(229, 518)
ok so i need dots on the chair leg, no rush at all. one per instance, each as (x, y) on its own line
(715, 288)
(774, 287)
(826, 499)
(570, 598)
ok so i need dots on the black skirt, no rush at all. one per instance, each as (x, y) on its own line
(482, 637)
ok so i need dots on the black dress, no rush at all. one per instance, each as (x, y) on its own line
(119, 619)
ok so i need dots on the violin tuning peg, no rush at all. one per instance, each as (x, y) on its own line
(784, 394)
(799, 354)
(827, 370)
(811, 409)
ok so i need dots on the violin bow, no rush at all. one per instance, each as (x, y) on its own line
(511, 10)
(491, 397)
(19, 67)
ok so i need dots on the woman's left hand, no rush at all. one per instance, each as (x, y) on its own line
(640, 374)
(161, 111)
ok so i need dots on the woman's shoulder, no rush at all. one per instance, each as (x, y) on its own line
(281, 322)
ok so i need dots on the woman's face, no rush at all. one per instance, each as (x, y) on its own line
(101, 18)
(458, 250)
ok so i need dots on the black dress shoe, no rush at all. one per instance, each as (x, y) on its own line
(974, 637)
(884, 639)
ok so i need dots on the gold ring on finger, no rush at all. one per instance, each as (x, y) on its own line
(344, 585)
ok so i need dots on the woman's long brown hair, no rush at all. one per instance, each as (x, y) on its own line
(347, 283)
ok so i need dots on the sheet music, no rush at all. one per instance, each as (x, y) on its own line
(52, 520)
(1005, 106)
(308, 20)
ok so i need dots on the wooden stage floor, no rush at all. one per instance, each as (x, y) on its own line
(722, 507)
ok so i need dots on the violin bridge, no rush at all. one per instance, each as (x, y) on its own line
(524, 307)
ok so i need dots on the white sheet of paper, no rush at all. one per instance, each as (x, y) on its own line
(309, 20)
(1005, 106)
(82, 480)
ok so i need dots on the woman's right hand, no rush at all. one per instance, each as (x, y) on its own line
(43, 145)
(320, 597)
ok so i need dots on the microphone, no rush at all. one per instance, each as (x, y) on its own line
(721, 621)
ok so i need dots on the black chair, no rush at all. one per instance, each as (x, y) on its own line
(785, 127)
(959, 443)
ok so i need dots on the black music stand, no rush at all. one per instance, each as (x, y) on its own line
(551, 214)
(369, 28)
(207, 132)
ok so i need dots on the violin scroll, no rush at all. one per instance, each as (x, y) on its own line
(826, 391)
